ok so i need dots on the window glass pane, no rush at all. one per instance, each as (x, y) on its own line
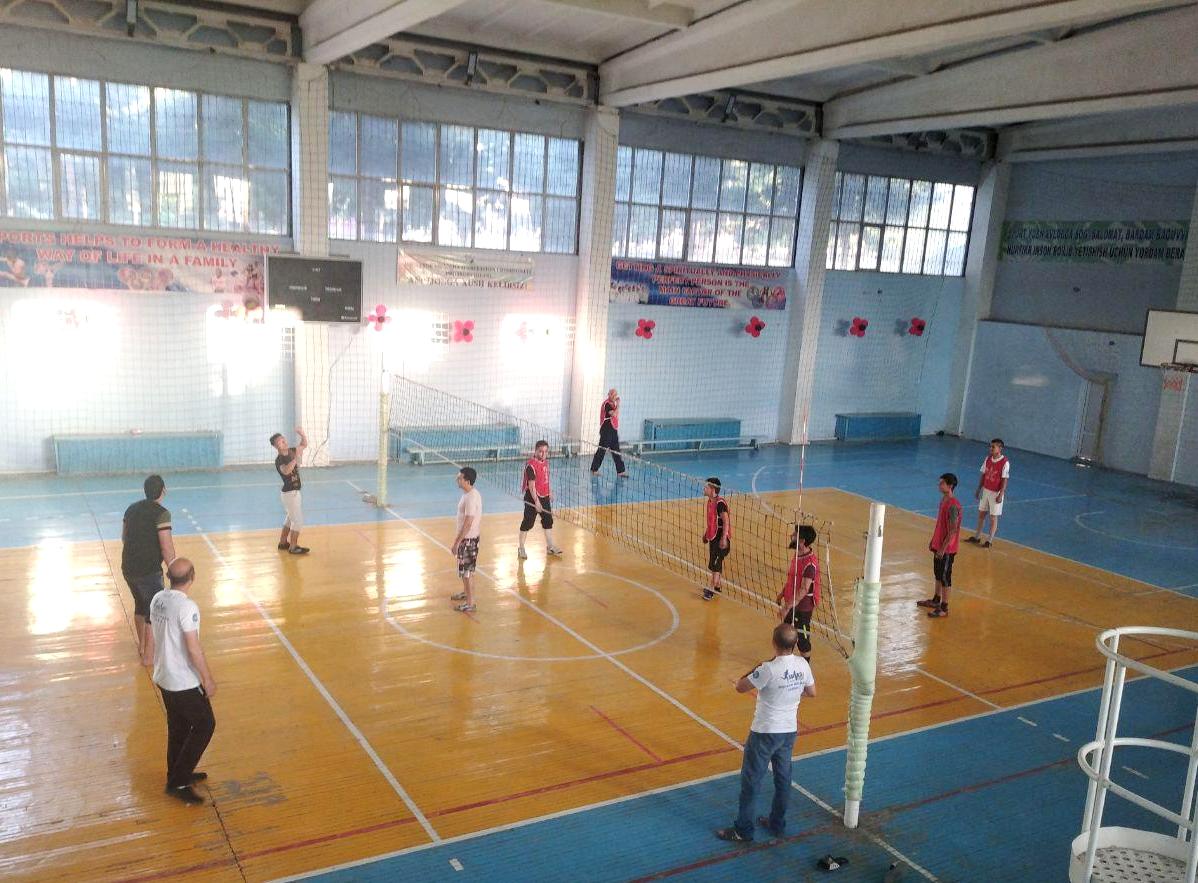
(226, 197)
(913, 251)
(673, 230)
(954, 255)
(728, 238)
(343, 143)
(733, 182)
(623, 173)
(847, 236)
(561, 222)
(419, 153)
(942, 198)
(379, 154)
(77, 114)
(646, 177)
(343, 208)
(786, 191)
(493, 172)
(701, 247)
(380, 207)
(871, 242)
(175, 127)
(28, 182)
(619, 230)
(761, 191)
(837, 187)
(269, 207)
(875, 200)
(26, 102)
(892, 250)
(757, 235)
(852, 198)
(418, 213)
(223, 134)
(528, 169)
(455, 221)
(178, 188)
(642, 231)
(79, 180)
(921, 200)
(782, 237)
(933, 253)
(830, 260)
(563, 167)
(676, 180)
(962, 207)
(705, 189)
(269, 141)
(457, 164)
(490, 218)
(526, 220)
(130, 189)
(896, 209)
(128, 112)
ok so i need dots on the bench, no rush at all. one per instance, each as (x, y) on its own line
(137, 452)
(877, 425)
(663, 434)
(423, 444)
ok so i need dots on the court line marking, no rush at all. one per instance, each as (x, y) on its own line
(878, 841)
(1077, 519)
(1135, 772)
(333, 704)
(173, 488)
(973, 696)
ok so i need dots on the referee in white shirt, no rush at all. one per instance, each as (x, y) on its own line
(181, 673)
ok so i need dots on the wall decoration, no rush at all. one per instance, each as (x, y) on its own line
(697, 285)
(754, 327)
(1095, 242)
(917, 327)
(379, 317)
(463, 332)
(644, 328)
(857, 329)
(465, 268)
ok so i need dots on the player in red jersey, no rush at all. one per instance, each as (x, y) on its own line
(718, 535)
(944, 545)
(992, 489)
(799, 596)
(535, 484)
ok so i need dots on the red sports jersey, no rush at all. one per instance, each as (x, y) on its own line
(941, 530)
(606, 415)
(794, 578)
(713, 524)
(540, 471)
(992, 473)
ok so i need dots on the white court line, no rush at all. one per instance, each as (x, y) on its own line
(174, 488)
(973, 696)
(645, 682)
(1059, 736)
(1135, 772)
(1077, 519)
(337, 709)
(1028, 722)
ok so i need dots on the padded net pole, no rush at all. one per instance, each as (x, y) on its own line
(380, 494)
(863, 665)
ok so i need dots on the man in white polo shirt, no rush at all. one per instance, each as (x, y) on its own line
(181, 673)
(780, 683)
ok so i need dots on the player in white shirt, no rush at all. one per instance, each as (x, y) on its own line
(465, 544)
(781, 682)
(992, 489)
(182, 675)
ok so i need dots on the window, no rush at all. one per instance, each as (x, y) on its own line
(392, 180)
(677, 206)
(899, 226)
(78, 149)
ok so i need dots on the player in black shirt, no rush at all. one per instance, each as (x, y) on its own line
(146, 543)
(609, 435)
(287, 465)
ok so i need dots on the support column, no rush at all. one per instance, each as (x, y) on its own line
(594, 271)
(981, 265)
(811, 256)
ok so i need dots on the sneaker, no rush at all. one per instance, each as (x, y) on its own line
(938, 612)
(764, 822)
(986, 545)
(284, 546)
(458, 596)
(973, 540)
(732, 835)
(198, 776)
(185, 794)
(928, 602)
(521, 554)
(300, 550)
(708, 594)
(464, 608)
(554, 550)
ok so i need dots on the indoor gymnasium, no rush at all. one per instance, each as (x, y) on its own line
(598, 440)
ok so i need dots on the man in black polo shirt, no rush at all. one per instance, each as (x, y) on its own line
(146, 543)
(287, 465)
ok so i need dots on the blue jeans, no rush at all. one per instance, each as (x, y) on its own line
(774, 749)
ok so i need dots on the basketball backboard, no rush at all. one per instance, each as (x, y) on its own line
(1170, 336)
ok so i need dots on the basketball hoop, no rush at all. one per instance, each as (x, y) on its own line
(1175, 374)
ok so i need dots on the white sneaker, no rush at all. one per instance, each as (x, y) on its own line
(554, 550)
(521, 554)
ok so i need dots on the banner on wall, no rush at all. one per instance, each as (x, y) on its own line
(697, 285)
(1105, 242)
(117, 261)
(464, 268)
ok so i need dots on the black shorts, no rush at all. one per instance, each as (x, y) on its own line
(943, 569)
(716, 555)
(143, 589)
(530, 513)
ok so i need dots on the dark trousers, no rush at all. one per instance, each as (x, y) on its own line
(530, 513)
(189, 726)
(762, 750)
(609, 440)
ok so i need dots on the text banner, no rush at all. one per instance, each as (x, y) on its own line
(697, 285)
(1103, 242)
(465, 269)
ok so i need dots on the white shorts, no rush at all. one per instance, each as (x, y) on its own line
(295, 512)
(989, 502)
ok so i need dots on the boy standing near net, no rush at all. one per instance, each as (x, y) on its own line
(146, 543)
(718, 535)
(287, 465)
(797, 600)
(992, 488)
(609, 435)
(465, 544)
(944, 546)
(535, 484)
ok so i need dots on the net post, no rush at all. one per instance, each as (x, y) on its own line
(863, 665)
(380, 493)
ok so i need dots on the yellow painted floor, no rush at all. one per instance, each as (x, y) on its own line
(352, 697)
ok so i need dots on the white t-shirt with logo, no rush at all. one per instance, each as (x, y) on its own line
(780, 682)
(171, 614)
(471, 506)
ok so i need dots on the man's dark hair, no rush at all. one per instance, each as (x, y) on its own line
(154, 486)
(807, 535)
(714, 482)
(949, 479)
(997, 441)
(274, 438)
(541, 443)
(469, 473)
(785, 637)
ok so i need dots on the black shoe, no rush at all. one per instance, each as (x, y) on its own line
(938, 612)
(973, 540)
(764, 822)
(185, 794)
(732, 835)
(928, 602)
(284, 546)
(708, 594)
(300, 550)
(198, 776)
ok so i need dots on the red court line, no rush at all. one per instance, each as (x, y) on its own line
(1083, 671)
(732, 852)
(803, 731)
(627, 735)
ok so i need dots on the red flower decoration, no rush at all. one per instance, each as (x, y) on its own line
(917, 327)
(379, 317)
(857, 329)
(463, 332)
(644, 328)
(755, 327)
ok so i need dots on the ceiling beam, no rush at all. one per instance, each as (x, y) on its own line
(1148, 131)
(333, 28)
(1145, 62)
(669, 15)
(762, 40)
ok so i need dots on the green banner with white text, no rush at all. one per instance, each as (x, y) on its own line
(1102, 242)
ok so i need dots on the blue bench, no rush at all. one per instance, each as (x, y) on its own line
(427, 443)
(691, 434)
(877, 426)
(137, 452)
